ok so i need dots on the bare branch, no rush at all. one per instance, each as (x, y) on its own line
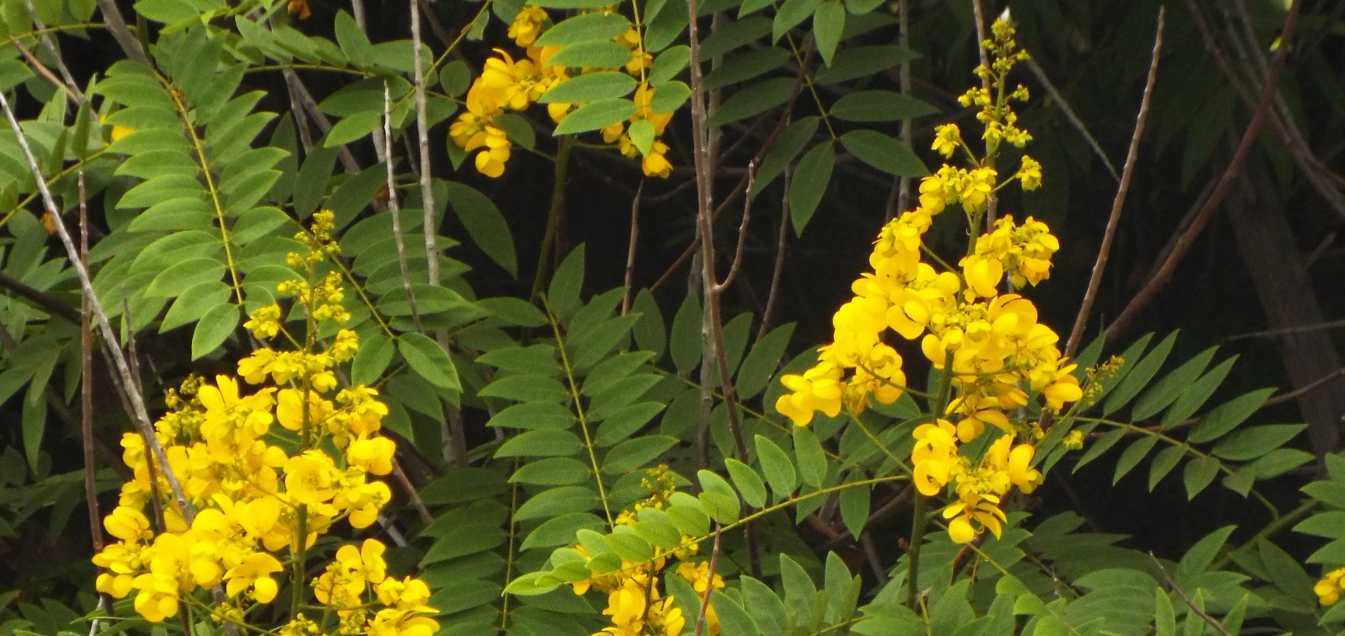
(1118, 203)
(1183, 244)
(395, 209)
(630, 248)
(719, 288)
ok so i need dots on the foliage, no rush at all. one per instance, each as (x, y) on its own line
(558, 460)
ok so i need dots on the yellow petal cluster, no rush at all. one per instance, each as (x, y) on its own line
(506, 84)
(998, 357)
(261, 494)
(1330, 586)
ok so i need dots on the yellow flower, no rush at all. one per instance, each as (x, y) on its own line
(655, 164)
(405, 594)
(1029, 173)
(946, 139)
(1329, 587)
(491, 160)
(264, 322)
(394, 622)
(128, 524)
(373, 454)
(310, 477)
(818, 389)
(1073, 440)
(527, 25)
(254, 572)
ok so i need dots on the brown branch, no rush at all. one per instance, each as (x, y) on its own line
(117, 25)
(777, 271)
(899, 198)
(86, 381)
(714, 550)
(734, 267)
(410, 488)
(630, 248)
(1305, 389)
(1183, 244)
(43, 300)
(1118, 203)
(310, 105)
(1321, 326)
(1213, 622)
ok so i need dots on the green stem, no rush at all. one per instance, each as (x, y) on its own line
(297, 598)
(549, 253)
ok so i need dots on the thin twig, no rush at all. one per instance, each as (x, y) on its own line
(1118, 202)
(1072, 116)
(1213, 622)
(737, 262)
(1320, 326)
(630, 248)
(899, 198)
(395, 209)
(1305, 389)
(714, 560)
(43, 300)
(137, 402)
(1183, 244)
(116, 24)
(86, 391)
(410, 488)
(777, 271)
(310, 105)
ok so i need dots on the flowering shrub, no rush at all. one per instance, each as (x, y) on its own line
(304, 283)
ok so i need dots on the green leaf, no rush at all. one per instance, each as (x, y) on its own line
(591, 54)
(591, 87)
(542, 443)
(777, 466)
(34, 424)
(596, 115)
(1165, 617)
(642, 134)
(669, 64)
(782, 153)
(429, 361)
(1198, 474)
(861, 61)
(877, 105)
(748, 482)
(354, 43)
(1138, 377)
(669, 96)
(828, 23)
(514, 311)
(566, 284)
(1166, 391)
(753, 99)
(213, 329)
(527, 387)
(194, 303)
(372, 360)
(650, 333)
(636, 453)
(352, 127)
(719, 499)
(552, 471)
(1229, 415)
(1257, 441)
(811, 178)
(812, 460)
(746, 65)
(185, 275)
(789, 15)
(761, 362)
(1132, 456)
(854, 504)
(588, 27)
(1201, 555)
(732, 618)
(1195, 396)
(884, 153)
(484, 223)
(730, 35)
(1163, 463)
(685, 340)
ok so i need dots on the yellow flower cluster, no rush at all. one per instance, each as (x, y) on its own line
(635, 606)
(508, 85)
(356, 575)
(1330, 586)
(257, 491)
(992, 347)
